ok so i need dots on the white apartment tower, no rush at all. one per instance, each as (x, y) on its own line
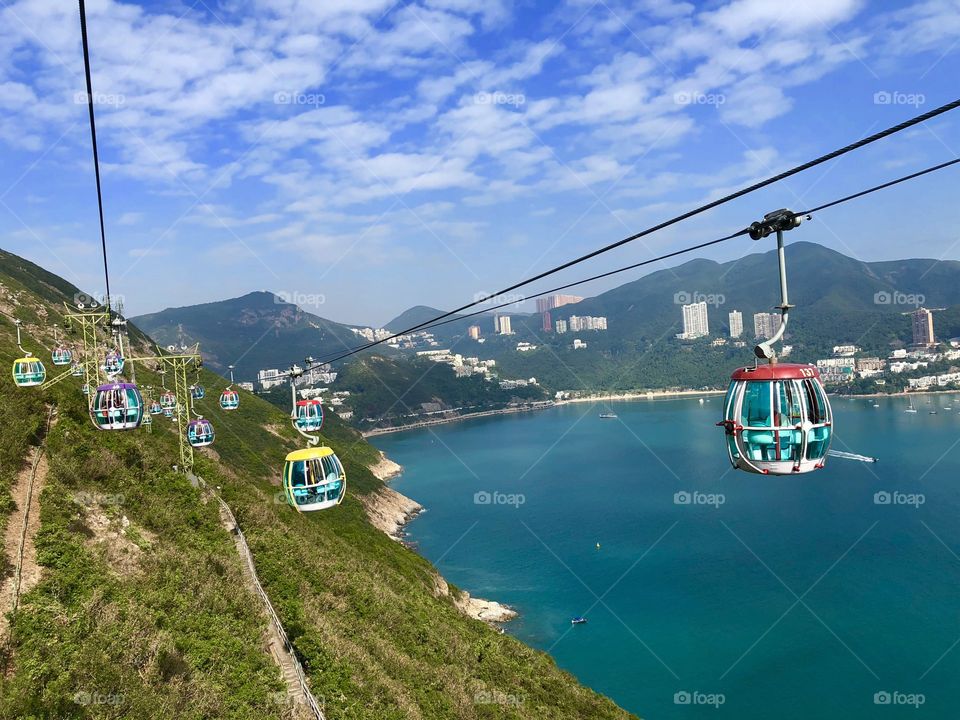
(695, 320)
(736, 324)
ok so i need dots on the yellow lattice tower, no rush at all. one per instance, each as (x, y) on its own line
(178, 364)
(86, 323)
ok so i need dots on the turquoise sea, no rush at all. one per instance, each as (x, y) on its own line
(759, 597)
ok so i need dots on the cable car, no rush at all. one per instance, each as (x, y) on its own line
(229, 399)
(168, 401)
(76, 370)
(778, 419)
(112, 363)
(309, 414)
(168, 412)
(313, 479)
(28, 371)
(197, 392)
(200, 432)
(147, 420)
(61, 356)
(155, 408)
(85, 389)
(117, 406)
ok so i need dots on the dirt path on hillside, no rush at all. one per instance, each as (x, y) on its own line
(293, 702)
(22, 526)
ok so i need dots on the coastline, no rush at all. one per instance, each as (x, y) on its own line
(546, 404)
(390, 511)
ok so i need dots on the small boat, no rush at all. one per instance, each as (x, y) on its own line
(701, 401)
(608, 416)
(578, 620)
(876, 404)
(933, 412)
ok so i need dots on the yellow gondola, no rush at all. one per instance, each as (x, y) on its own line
(29, 371)
(314, 479)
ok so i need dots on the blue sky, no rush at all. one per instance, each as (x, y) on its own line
(362, 157)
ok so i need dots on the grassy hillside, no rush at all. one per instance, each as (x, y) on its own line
(141, 610)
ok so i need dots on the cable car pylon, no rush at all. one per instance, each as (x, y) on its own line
(87, 321)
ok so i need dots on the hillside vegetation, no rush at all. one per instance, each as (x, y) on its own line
(141, 610)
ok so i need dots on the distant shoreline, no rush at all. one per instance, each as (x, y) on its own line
(611, 397)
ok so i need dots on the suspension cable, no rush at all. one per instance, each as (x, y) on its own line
(446, 317)
(96, 157)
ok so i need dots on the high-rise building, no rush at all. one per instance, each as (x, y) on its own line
(765, 325)
(586, 322)
(923, 327)
(473, 332)
(547, 325)
(695, 321)
(552, 302)
(560, 327)
(736, 324)
(505, 325)
(496, 324)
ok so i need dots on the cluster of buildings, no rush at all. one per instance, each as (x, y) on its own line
(512, 384)
(696, 323)
(270, 378)
(371, 335)
(845, 367)
(462, 366)
(412, 341)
